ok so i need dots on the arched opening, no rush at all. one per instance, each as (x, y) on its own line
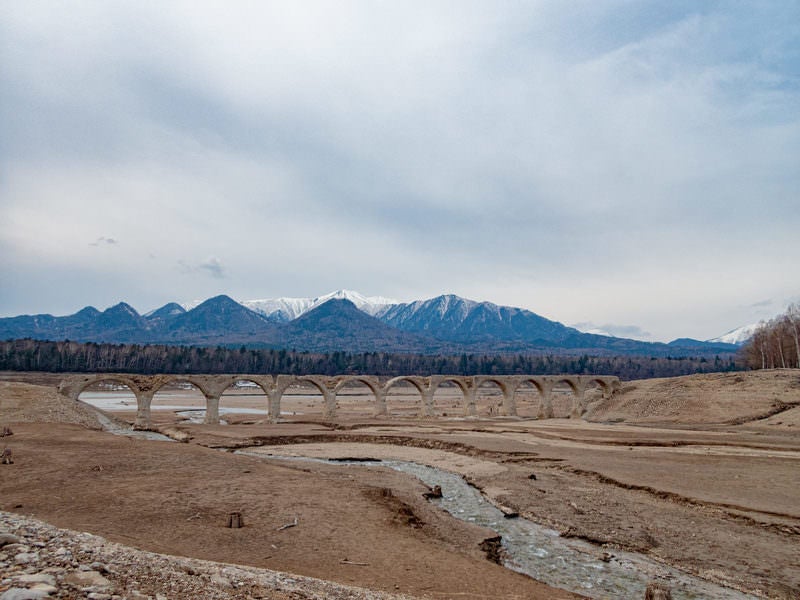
(244, 402)
(528, 398)
(563, 398)
(489, 399)
(303, 400)
(181, 398)
(448, 400)
(112, 395)
(355, 399)
(403, 398)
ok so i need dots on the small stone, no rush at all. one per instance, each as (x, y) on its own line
(17, 548)
(161, 597)
(8, 538)
(137, 595)
(99, 596)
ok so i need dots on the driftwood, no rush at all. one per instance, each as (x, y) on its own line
(292, 524)
(350, 562)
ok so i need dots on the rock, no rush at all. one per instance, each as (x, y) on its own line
(8, 538)
(23, 594)
(99, 596)
(137, 595)
(36, 578)
(26, 558)
(17, 548)
(99, 567)
(221, 581)
(43, 587)
(91, 579)
(657, 591)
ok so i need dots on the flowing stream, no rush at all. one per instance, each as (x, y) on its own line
(541, 553)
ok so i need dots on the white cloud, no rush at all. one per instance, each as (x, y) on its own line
(607, 162)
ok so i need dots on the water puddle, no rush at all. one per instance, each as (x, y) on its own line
(541, 553)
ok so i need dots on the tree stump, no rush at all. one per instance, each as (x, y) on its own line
(235, 520)
(657, 591)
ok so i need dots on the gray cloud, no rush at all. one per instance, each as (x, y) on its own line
(625, 331)
(211, 266)
(611, 163)
(104, 241)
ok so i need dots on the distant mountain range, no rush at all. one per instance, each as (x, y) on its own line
(345, 321)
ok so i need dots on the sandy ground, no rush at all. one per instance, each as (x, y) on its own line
(699, 472)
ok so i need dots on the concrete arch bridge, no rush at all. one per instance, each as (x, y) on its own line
(212, 387)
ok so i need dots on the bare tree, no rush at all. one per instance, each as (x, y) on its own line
(793, 318)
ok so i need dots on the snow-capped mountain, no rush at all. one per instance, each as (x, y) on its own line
(346, 321)
(456, 319)
(737, 336)
(288, 309)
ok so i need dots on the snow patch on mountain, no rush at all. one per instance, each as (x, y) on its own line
(738, 336)
(288, 309)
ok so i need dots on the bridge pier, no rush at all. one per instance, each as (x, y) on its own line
(470, 404)
(212, 410)
(329, 395)
(427, 394)
(274, 396)
(380, 402)
(509, 403)
(143, 401)
(546, 406)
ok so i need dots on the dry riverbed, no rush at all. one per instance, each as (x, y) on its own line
(715, 496)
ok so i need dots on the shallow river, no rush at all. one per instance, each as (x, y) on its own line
(541, 553)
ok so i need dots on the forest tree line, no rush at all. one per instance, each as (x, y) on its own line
(776, 343)
(74, 357)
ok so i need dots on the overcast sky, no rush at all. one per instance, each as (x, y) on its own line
(633, 166)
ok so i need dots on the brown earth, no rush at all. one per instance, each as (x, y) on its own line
(699, 472)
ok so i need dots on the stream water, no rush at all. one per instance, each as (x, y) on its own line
(541, 553)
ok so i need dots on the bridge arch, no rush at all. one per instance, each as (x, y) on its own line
(447, 407)
(532, 397)
(419, 383)
(351, 382)
(233, 387)
(487, 406)
(78, 387)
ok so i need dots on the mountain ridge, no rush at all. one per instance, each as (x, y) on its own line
(446, 323)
